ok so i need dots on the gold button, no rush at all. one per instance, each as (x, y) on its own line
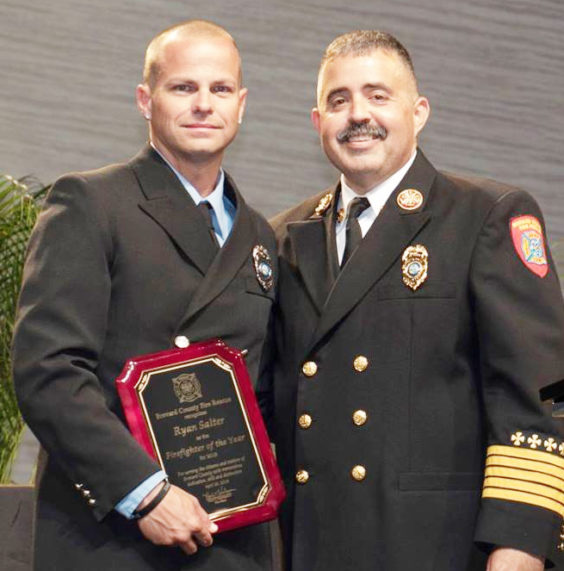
(91, 502)
(359, 417)
(309, 368)
(561, 547)
(305, 421)
(360, 363)
(358, 473)
(181, 341)
(302, 476)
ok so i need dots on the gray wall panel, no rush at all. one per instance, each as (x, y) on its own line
(492, 69)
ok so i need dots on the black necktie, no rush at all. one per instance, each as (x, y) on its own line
(206, 209)
(354, 234)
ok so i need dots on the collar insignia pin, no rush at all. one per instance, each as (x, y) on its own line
(415, 263)
(323, 204)
(263, 267)
(410, 199)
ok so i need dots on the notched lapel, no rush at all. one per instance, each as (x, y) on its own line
(170, 206)
(230, 258)
(391, 233)
(315, 255)
(185, 226)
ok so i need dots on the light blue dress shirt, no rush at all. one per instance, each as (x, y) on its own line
(224, 210)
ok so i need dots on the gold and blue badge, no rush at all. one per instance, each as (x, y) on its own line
(415, 265)
(263, 267)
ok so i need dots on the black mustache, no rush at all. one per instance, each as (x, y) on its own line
(354, 129)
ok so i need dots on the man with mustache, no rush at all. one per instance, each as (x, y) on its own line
(133, 259)
(419, 313)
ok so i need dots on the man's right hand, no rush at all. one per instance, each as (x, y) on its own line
(179, 520)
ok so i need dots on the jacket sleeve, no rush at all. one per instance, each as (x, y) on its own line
(59, 336)
(519, 317)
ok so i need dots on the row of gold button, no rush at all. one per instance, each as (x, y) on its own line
(358, 473)
(360, 364)
(359, 417)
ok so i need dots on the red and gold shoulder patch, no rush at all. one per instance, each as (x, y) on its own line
(528, 239)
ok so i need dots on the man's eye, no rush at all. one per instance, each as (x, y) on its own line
(378, 97)
(337, 102)
(183, 88)
(222, 89)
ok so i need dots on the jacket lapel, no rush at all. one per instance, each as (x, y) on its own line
(391, 233)
(230, 258)
(315, 262)
(170, 206)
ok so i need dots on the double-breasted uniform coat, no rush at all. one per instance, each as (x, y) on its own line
(390, 400)
(120, 264)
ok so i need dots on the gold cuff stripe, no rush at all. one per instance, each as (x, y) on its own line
(527, 454)
(530, 466)
(524, 498)
(525, 475)
(522, 486)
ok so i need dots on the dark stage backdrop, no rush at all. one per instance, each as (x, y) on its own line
(493, 70)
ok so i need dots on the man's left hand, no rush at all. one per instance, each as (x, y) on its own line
(508, 559)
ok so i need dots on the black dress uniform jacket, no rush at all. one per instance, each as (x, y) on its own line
(389, 400)
(119, 264)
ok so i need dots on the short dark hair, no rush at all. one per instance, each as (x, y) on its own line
(362, 42)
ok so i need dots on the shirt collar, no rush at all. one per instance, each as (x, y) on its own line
(378, 195)
(215, 198)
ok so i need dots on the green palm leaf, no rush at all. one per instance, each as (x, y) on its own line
(19, 206)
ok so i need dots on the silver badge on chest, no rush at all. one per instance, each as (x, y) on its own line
(263, 267)
(414, 267)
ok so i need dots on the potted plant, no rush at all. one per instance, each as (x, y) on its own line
(19, 206)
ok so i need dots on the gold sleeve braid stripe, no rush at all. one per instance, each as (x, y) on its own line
(528, 476)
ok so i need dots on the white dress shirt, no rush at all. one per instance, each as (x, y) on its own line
(377, 197)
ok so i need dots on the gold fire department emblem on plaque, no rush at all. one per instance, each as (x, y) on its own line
(187, 387)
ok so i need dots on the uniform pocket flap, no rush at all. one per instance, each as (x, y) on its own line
(436, 481)
(426, 291)
(252, 286)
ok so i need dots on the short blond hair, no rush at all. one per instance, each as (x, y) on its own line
(187, 29)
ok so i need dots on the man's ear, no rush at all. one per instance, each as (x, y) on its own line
(143, 98)
(315, 118)
(421, 112)
(242, 103)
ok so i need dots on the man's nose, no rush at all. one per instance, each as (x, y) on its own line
(359, 110)
(202, 101)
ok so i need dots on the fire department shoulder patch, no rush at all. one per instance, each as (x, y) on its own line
(528, 239)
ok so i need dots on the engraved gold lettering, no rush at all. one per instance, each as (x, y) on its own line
(210, 423)
(168, 414)
(186, 452)
(184, 430)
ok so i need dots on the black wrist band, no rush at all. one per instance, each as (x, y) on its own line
(138, 514)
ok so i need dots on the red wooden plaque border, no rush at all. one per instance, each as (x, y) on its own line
(128, 382)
